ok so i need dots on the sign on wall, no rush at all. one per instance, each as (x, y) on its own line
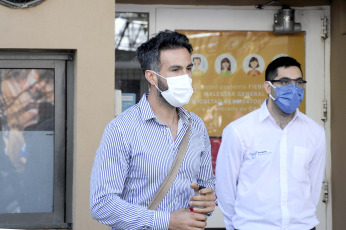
(229, 69)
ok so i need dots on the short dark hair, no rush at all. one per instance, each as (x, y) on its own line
(148, 53)
(285, 61)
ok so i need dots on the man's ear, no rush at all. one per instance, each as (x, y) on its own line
(267, 87)
(151, 77)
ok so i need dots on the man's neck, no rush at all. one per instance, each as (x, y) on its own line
(281, 118)
(162, 110)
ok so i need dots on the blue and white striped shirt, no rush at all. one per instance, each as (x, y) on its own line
(134, 157)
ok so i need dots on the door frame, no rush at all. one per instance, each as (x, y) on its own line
(317, 49)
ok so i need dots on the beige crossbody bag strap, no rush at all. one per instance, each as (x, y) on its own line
(155, 202)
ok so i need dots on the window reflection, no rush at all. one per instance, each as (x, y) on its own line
(131, 30)
(26, 140)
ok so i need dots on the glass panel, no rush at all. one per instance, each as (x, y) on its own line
(131, 30)
(26, 140)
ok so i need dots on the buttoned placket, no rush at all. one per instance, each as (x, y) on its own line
(175, 147)
(284, 179)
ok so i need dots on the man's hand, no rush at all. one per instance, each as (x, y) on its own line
(205, 200)
(184, 220)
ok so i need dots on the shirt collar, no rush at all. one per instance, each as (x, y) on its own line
(147, 113)
(264, 112)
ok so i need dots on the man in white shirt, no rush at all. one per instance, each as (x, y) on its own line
(270, 164)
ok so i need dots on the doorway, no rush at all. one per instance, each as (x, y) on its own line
(315, 49)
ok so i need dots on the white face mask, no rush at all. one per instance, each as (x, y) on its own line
(179, 90)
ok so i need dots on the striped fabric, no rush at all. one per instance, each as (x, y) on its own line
(134, 157)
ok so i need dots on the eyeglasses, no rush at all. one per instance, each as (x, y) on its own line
(286, 81)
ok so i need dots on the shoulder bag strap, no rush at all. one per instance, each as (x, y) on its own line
(161, 193)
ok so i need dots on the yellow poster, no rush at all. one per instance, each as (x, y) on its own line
(229, 72)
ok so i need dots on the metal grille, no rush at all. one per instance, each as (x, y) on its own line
(20, 3)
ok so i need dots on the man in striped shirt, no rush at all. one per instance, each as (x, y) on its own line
(139, 146)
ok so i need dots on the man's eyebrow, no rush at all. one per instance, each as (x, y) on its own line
(180, 67)
(175, 67)
(287, 78)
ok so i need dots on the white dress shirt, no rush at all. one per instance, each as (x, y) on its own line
(268, 178)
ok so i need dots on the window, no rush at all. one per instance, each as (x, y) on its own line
(33, 134)
(131, 30)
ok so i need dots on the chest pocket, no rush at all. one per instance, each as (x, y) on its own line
(300, 166)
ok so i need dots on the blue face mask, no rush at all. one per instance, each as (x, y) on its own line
(288, 97)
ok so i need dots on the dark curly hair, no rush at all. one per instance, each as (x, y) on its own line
(148, 53)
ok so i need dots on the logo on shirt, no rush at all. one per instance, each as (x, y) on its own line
(254, 155)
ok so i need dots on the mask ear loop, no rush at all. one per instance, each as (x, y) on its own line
(158, 74)
(274, 87)
(157, 87)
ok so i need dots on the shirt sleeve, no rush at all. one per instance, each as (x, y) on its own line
(228, 164)
(316, 170)
(108, 177)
